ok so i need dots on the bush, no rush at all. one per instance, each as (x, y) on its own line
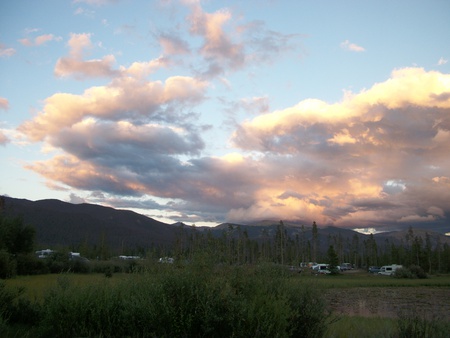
(14, 309)
(28, 264)
(414, 271)
(8, 266)
(413, 325)
(402, 273)
(189, 302)
(418, 271)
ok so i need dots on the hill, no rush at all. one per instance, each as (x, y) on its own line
(60, 223)
(66, 224)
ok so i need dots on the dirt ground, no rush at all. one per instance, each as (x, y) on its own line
(425, 302)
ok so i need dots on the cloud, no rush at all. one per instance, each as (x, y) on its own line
(125, 98)
(3, 138)
(74, 65)
(230, 47)
(6, 52)
(442, 61)
(173, 45)
(347, 45)
(96, 2)
(385, 145)
(218, 47)
(4, 103)
(39, 40)
(377, 157)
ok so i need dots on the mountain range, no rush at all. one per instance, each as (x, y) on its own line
(59, 223)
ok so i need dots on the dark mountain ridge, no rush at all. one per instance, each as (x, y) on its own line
(59, 223)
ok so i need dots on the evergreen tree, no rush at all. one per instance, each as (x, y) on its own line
(315, 241)
(333, 260)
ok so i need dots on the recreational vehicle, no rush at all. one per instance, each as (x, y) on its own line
(388, 270)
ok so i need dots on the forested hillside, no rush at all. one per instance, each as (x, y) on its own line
(93, 229)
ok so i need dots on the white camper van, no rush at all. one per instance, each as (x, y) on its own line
(321, 269)
(388, 270)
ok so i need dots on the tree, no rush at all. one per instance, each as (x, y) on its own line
(16, 240)
(315, 241)
(333, 260)
(280, 241)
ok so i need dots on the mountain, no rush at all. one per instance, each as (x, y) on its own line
(60, 223)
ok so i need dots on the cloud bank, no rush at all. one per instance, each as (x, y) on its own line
(378, 157)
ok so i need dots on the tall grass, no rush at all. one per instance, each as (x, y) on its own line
(232, 302)
(362, 327)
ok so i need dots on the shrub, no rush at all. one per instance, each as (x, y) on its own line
(411, 324)
(414, 271)
(402, 273)
(189, 302)
(418, 271)
(14, 309)
(8, 266)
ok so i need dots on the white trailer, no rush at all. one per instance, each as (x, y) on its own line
(388, 270)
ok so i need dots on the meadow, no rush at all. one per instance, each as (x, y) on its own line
(163, 300)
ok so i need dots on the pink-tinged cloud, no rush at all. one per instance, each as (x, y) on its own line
(96, 2)
(74, 65)
(3, 139)
(173, 45)
(4, 103)
(377, 157)
(126, 98)
(39, 40)
(218, 47)
(347, 45)
(6, 52)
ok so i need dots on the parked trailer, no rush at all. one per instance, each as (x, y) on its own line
(389, 270)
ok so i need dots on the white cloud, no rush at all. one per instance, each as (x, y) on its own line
(39, 40)
(442, 61)
(6, 52)
(347, 45)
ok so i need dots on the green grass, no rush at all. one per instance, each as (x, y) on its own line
(361, 327)
(364, 279)
(37, 286)
(130, 294)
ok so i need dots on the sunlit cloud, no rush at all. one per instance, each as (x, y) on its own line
(4, 103)
(39, 40)
(96, 2)
(74, 65)
(5, 51)
(347, 45)
(442, 61)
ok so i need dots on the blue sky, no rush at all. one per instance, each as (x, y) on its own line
(209, 111)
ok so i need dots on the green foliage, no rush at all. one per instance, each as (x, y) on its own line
(8, 265)
(14, 309)
(412, 324)
(333, 260)
(16, 241)
(414, 271)
(362, 327)
(185, 302)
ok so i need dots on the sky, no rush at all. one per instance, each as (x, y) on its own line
(206, 112)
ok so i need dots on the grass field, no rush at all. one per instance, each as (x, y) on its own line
(36, 286)
(353, 287)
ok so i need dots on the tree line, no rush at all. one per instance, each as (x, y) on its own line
(234, 246)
